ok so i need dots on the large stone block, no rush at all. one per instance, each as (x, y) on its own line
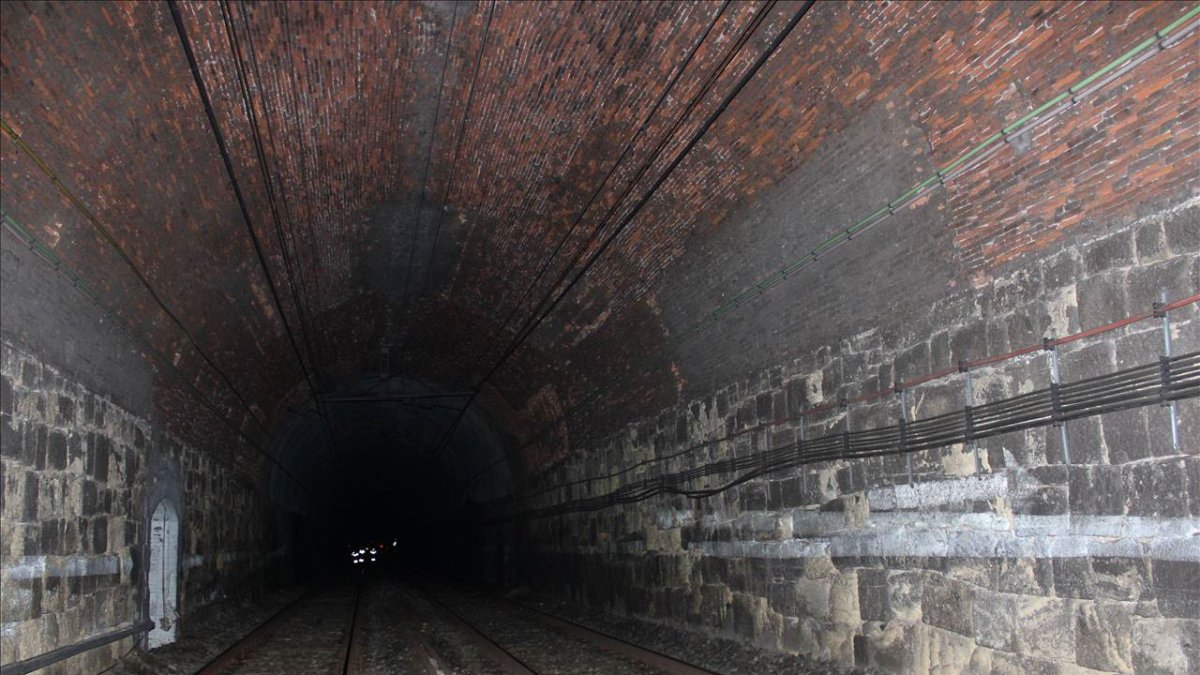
(1182, 230)
(1097, 490)
(1045, 628)
(949, 652)
(1125, 436)
(1102, 298)
(800, 635)
(1103, 636)
(1115, 250)
(782, 597)
(1150, 241)
(812, 598)
(843, 599)
(1025, 576)
(749, 616)
(976, 571)
(1166, 646)
(1117, 578)
(994, 620)
(948, 604)
(1086, 439)
(1177, 588)
(1157, 489)
(1073, 578)
(873, 595)
(897, 647)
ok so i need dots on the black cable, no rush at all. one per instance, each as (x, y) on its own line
(1183, 382)
(305, 179)
(515, 226)
(770, 51)
(523, 335)
(290, 277)
(237, 190)
(295, 270)
(108, 237)
(651, 160)
(429, 161)
(458, 143)
(167, 364)
(600, 188)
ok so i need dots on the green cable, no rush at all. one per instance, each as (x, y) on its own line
(846, 234)
(1178, 22)
(1107, 69)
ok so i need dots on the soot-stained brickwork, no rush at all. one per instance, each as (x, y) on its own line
(1024, 564)
(409, 169)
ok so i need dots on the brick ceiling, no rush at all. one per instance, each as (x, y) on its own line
(423, 179)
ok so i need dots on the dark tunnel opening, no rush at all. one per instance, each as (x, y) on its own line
(384, 471)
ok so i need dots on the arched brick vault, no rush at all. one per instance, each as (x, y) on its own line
(409, 168)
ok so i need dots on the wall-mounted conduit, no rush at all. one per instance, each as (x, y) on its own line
(1169, 379)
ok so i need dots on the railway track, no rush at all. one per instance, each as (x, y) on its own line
(519, 639)
(314, 634)
(391, 627)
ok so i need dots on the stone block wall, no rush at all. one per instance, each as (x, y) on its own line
(77, 497)
(73, 515)
(227, 538)
(998, 558)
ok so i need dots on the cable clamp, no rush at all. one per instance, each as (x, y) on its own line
(964, 365)
(1164, 369)
(1048, 344)
(1160, 310)
(1056, 403)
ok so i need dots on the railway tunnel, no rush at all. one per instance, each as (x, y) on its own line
(600, 337)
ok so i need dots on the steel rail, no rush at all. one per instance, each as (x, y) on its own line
(610, 643)
(491, 650)
(236, 653)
